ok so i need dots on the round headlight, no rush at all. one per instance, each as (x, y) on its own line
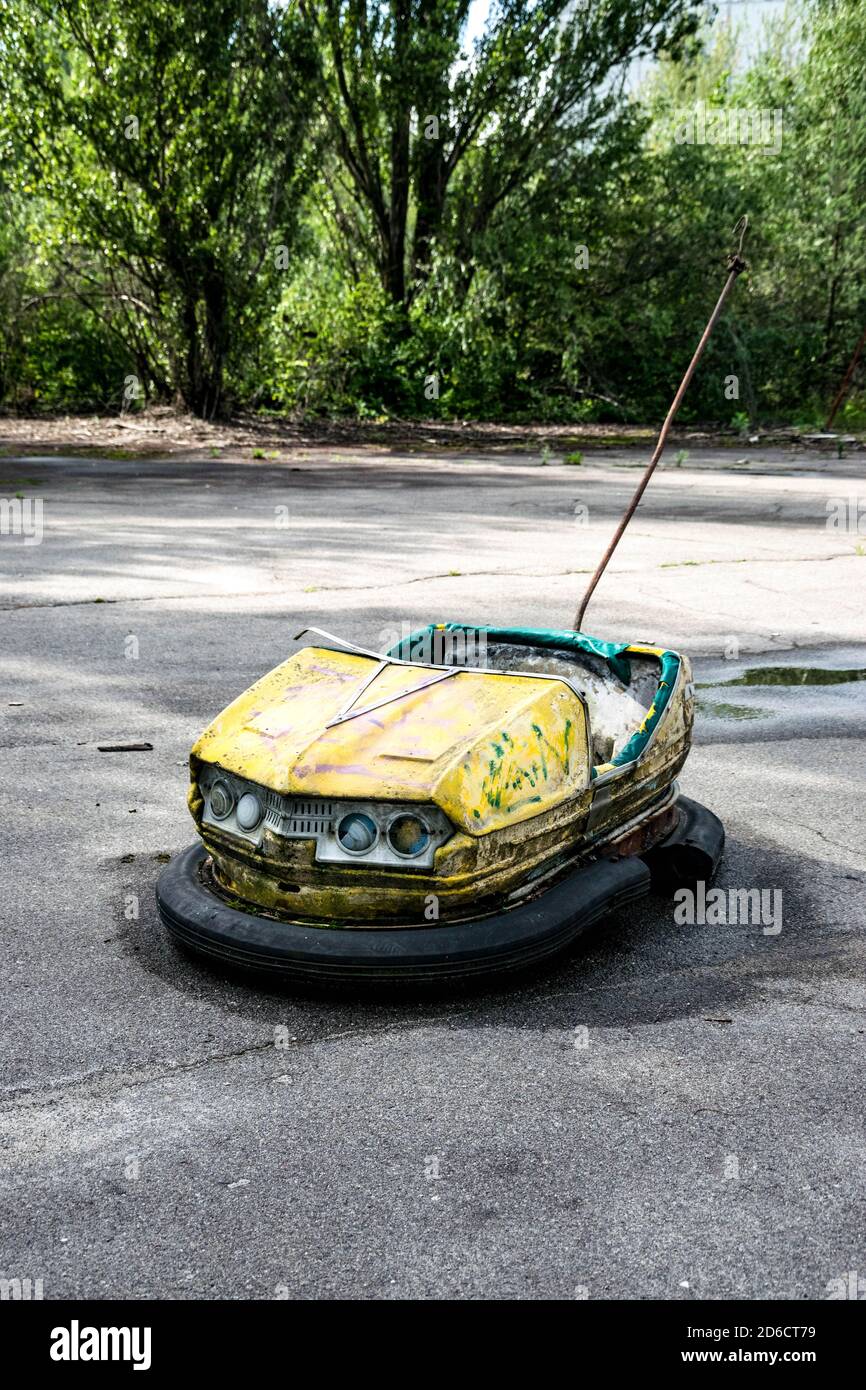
(357, 833)
(408, 836)
(250, 811)
(221, 800)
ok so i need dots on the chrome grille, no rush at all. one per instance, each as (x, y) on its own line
(295, 818)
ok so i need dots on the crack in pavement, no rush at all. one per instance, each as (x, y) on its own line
(836, 844)
(416, 579)
(104, 1083)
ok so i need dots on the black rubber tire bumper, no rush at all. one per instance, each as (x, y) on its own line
(203, 922)
(691, 852)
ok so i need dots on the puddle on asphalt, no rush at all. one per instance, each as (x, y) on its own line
(719, 710)
(789, 675)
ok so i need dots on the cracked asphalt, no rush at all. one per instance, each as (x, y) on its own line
(669, 1111)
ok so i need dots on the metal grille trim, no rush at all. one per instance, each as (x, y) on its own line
(296, 818)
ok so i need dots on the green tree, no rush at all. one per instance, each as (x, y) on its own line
(792, 326)
(170, 138)
(827, 172)
(429, 142)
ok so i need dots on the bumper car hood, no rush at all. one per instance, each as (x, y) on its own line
(489, 748)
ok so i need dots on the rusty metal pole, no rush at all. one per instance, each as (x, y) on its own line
(736, 265)
(846, 381)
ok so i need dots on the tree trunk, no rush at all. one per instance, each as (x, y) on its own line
(398, 211)
(206, 342)
(430, 193)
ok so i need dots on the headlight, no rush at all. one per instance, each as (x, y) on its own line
(250, 811)
(221, 800)
(408, 836)
(357, 833)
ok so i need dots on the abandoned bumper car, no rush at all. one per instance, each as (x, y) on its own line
(470, 801)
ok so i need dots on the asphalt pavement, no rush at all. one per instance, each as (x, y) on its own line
(668, 1111)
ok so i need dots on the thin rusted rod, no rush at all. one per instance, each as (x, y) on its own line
(846, 381)
(736, 264)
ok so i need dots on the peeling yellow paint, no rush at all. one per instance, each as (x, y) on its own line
(488, 749)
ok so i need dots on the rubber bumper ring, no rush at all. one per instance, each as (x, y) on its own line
(201, 921)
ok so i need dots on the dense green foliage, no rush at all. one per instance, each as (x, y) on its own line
(341, 206)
